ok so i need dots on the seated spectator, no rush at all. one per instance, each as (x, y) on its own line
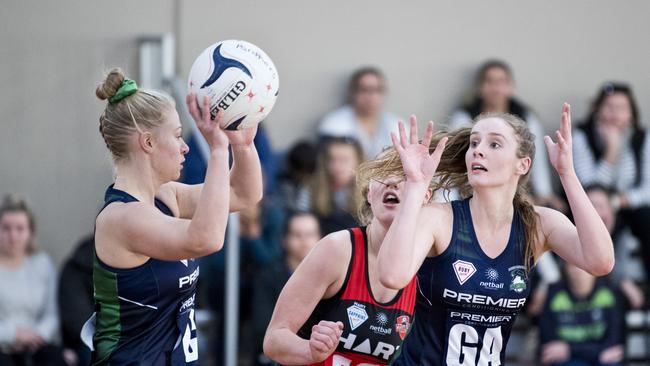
(600, 198)
(611, 149)
(583, 318)
(260, 233)
(582, 322)
(363, 117)
(301, 233)
(495, 94)
(294, 192)
(29, 322)
(332, 196)
(76, 301)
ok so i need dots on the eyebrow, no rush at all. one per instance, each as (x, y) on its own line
(491, 133)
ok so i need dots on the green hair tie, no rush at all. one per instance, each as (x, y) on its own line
(127, 88)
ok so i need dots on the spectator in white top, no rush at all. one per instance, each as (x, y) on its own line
(495, 94)
(29, 322)
(363, 117)
(611, 149)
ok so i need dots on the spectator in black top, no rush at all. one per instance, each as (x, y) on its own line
(582, 319)
(332, 191)
(611, 149)
(300, 235)
(600, 198)
(294, 191)
(76, 302)
(582, 322)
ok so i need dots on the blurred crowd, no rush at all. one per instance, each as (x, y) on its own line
(310, 192)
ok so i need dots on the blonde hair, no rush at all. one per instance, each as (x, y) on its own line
(322, 201)
(452, 173)
(145, 109)
(11, 203)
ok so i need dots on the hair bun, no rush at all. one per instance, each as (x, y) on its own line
(111, 83)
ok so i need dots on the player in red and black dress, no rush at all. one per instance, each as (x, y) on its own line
(334, 310)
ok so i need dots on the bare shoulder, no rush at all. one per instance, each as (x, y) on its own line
(168, 194)
(111, 245)
(550, 221)
(334, 249)
(440, 208)
(120, 213)
(112, 214)
(435, 211)
(549, 218)
(328, 261)
(439, 218)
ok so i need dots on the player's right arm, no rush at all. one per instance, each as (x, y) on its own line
(143, 231)
(320, 275)
(411, 235)
(409, 240)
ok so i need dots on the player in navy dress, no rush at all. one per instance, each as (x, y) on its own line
(473, 256)
(151, 228)
(334, 310)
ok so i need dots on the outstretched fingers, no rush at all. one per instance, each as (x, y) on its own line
(414, 129)
(565, 123)
(560, 139)
(548, 141)
(396, 144)
(402, 135)
(440, 148)
(428, 134)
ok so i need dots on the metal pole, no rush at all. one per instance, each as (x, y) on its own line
(231, 318)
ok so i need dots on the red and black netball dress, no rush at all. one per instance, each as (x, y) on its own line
(373, 332)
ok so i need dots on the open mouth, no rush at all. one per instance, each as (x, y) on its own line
(477, 167)
(390, 198)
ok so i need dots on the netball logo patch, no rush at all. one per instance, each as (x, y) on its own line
(357, 315)
(463, 270)
(518, 278)
(402, 326)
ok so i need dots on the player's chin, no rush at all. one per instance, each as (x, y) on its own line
(176, 175)
(386, 216)
(477, 181)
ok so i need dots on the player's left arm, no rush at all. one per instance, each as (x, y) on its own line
(245, 179)
(587, 244)
(246, 186)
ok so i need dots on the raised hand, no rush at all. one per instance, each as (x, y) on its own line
(324, 339)
(560, 154)
(419, 166)
(210, 129)
(243, 137)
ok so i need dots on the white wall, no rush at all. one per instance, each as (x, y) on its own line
(560, 50)
(53, 53)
